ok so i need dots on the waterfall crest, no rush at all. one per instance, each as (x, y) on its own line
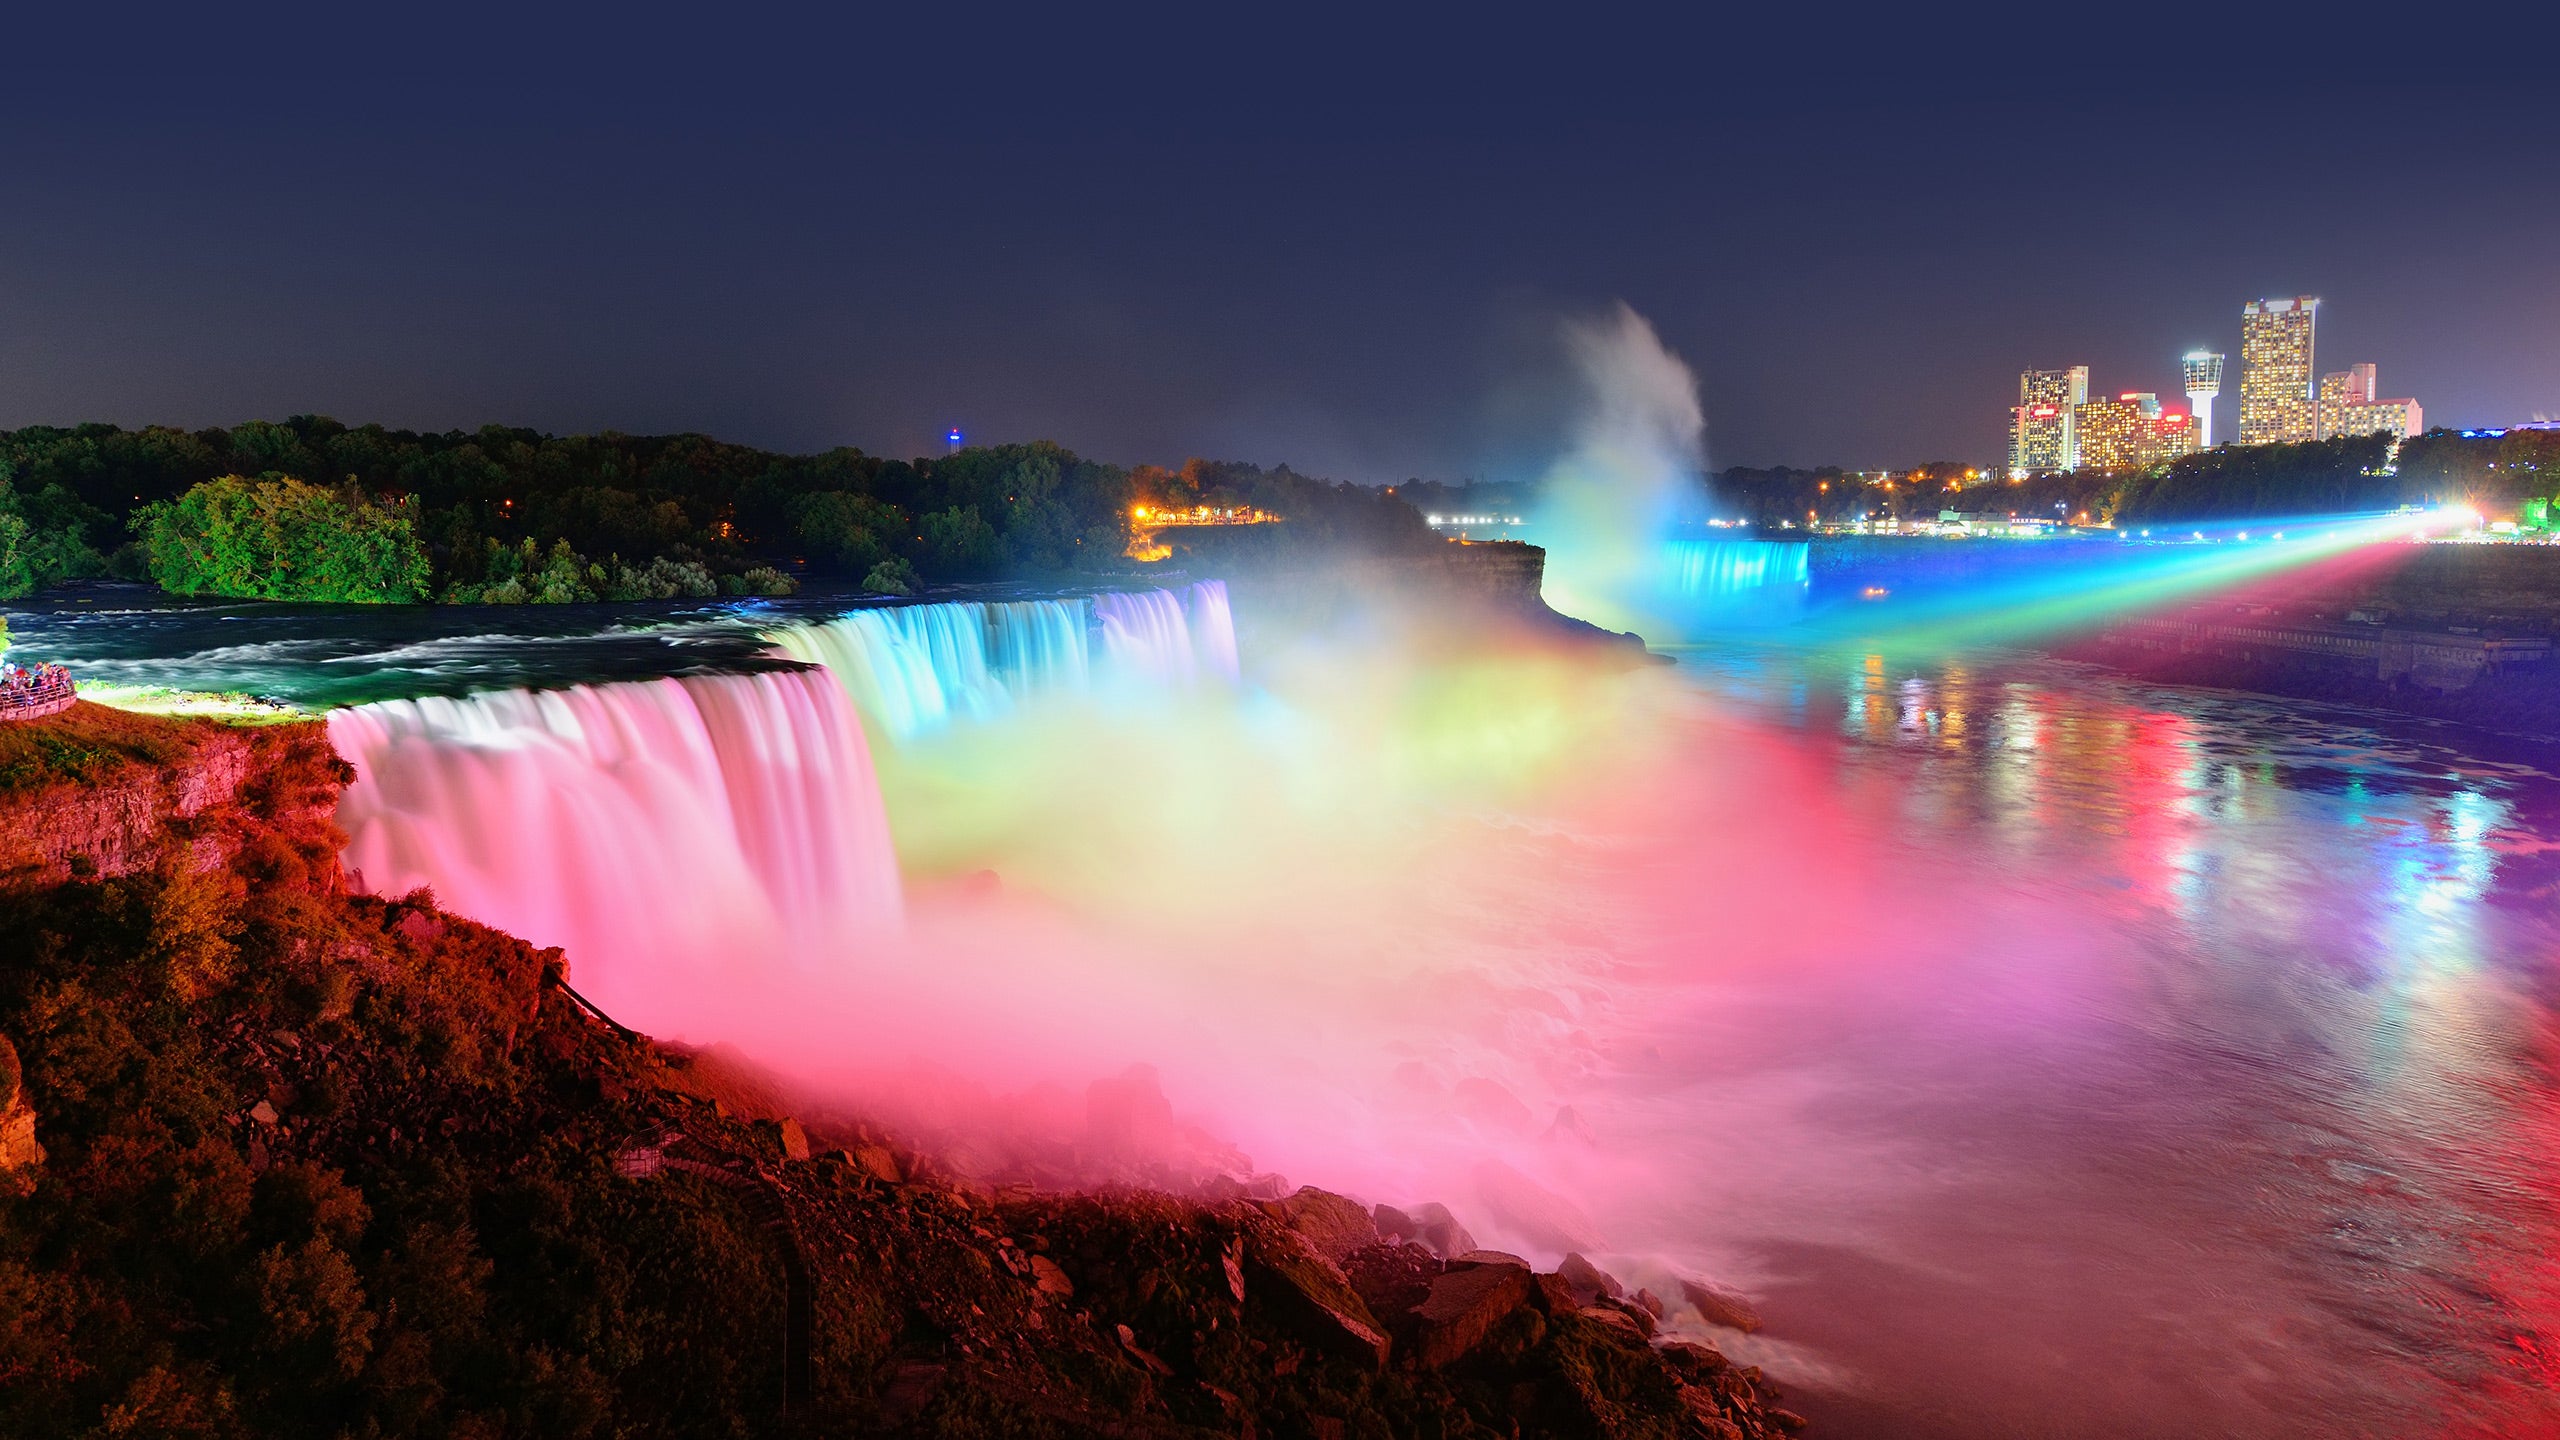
(652, 829)
(914, 669)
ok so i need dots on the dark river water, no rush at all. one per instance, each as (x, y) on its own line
(2156, 1062)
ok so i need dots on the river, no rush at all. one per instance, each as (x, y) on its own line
(2230, 1112)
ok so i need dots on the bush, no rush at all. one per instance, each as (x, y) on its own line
(282, 539)
(891, 577)
(759, 580)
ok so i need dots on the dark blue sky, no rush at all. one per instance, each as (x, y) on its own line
(1339, 238)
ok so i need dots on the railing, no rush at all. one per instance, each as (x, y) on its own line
(47, 692)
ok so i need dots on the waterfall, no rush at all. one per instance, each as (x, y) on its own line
(914, 669)
(1146, 637)
(658, 831)
(1038, 645)
(1213, 628)
(1736, 579)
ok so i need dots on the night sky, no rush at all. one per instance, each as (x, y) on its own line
(1316, 236)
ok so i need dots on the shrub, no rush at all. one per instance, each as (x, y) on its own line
(282, 539)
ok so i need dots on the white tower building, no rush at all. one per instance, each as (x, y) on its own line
(2204, 381)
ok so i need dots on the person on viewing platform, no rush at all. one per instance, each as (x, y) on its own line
(23, 686)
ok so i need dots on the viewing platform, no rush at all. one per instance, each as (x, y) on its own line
(35, 693)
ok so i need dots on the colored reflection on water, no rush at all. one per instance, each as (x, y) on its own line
(2207, 1089)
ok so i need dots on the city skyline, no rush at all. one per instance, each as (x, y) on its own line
(2056, 426)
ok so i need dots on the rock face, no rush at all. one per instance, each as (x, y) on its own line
(18, 1148)
(101, 793)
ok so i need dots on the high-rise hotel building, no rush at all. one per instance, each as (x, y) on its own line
(2044, 425)
(2276, 401)
(2132, 429)
(2349, 407)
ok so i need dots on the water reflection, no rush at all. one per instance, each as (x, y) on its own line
(2250, 1067)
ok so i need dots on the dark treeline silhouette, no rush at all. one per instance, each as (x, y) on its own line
(502, 514)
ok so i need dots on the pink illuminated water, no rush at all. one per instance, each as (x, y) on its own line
(694, 829)
(2046, 1054)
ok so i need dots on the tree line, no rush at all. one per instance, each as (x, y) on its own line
(311, 509)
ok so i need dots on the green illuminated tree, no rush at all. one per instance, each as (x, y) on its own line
(282, 539)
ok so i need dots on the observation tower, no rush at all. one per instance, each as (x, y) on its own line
(2204, 381)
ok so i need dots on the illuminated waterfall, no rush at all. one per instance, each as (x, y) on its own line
(659, 831)
(913, 669)
(669, 831)
(1736, 579)
(1213, 628)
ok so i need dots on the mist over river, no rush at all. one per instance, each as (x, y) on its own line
(2043, 1052)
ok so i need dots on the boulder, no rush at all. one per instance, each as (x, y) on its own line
(1649, 1303)
(1589, 1281)
(1692, 1360)
(1463, 1308)
(786, 1137)
(1486, 1257)
(876, 1162)
(1619, 1325)
(1431, 1226)
(1718, 1306)
(1330, 1224)
(1708, 1415)
(1313, 1298)
(1392, 1276)
(1051, 1280)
